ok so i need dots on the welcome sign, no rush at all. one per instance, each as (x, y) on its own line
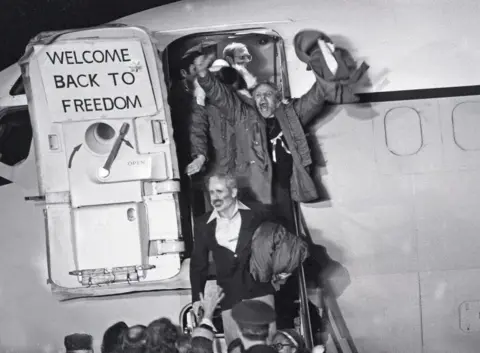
(96, 79)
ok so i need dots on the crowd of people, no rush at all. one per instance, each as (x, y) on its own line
(252, 317)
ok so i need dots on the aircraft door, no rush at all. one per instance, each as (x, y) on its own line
(106, 160)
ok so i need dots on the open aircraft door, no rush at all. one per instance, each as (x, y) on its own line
(106, 162)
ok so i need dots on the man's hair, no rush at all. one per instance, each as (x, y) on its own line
(266, 83)
(229, 50)
(113, 337)
(162, 335)
(188, 60)
(254, 332)
(229, 179)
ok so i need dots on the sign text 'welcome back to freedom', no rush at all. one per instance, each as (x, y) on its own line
(96, 80)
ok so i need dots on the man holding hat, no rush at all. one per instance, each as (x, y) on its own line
(279, 156)
(254, 319)
(78, 343)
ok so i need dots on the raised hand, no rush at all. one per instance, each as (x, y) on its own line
(196, 165)
(202, 63)
(210, 302)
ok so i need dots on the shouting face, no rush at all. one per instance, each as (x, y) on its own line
(266, 100)
(222, 197)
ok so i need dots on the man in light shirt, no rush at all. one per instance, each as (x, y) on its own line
(227, 232)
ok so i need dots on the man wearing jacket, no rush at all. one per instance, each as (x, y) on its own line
(278, 160)
(227, 232)
(212, 135)
(209, 124)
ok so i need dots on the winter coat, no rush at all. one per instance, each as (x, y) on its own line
(213, 136)
(256, 166)
(275, 251)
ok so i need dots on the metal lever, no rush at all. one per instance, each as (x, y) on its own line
(105, 171)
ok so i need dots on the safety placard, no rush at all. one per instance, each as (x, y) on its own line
(96, 79)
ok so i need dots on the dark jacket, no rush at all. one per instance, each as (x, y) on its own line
(292, 116)
(213, 136)
(233, 270)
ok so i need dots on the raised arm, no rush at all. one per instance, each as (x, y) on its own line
(219, 94)
(311, 103)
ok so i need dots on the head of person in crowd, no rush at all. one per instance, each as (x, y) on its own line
(113, 338)
(162, 336)
(78, 343)
(288, 341)
(253, 318)
(238, 57)
(135, 339)
(267, 98)
(184, 343)
(223, 191)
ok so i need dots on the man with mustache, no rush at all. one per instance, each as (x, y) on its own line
(227, 232)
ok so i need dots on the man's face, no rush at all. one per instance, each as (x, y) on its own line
(266, 100)
(241, 56)
(190, 74)
(221, 197)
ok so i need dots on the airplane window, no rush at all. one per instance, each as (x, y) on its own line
(15, 136)
(18, 88)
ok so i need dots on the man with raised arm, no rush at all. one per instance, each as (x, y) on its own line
(278, 156)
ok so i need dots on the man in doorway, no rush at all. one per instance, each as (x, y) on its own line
(212, 136)
(181, 99)
(227, 232)
(279, 160)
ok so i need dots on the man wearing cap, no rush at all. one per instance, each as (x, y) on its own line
(227, 232)
(78, 343)
(279, 159)
(254, 319)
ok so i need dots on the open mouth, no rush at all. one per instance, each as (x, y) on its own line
(263, 106)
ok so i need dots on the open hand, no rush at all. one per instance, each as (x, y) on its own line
(202, 63)
(196, 165)
(210, 302)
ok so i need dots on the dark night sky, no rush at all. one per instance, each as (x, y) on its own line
(20, 20)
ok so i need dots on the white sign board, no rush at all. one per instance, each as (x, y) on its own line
(96, 79)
